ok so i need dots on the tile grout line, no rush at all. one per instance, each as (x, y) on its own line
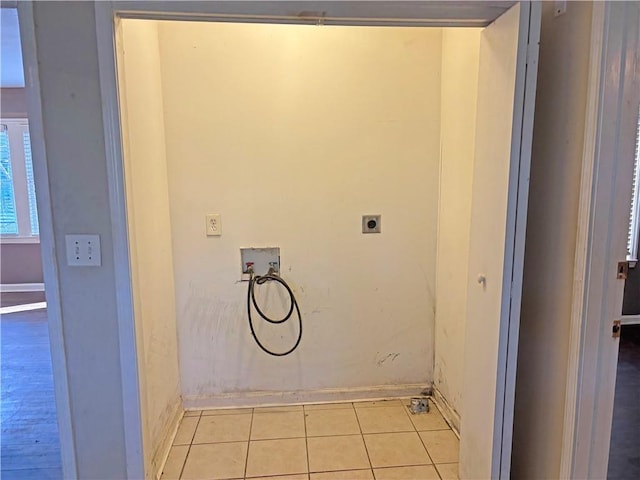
(306, 441)
(429, 455)
(184, 464)
(246, 459)
(363, 441)
(437, 471)
(406, 411)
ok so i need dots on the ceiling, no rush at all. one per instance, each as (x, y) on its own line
(395, 12)
(11, 71)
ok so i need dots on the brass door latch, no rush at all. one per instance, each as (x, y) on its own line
(615, 331)
(623, 270)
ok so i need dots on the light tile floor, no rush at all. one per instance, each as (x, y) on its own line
(340, 441)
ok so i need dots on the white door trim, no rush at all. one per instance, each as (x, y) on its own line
(592, 351)
(108, 12)
(131, 395)
(47, 241)
(593, 119)
(532, 46)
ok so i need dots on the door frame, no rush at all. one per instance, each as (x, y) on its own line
(106, 14)
(597, 297)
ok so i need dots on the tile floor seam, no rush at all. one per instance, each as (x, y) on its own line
(366, 449)
(427, 450)
(346, 434)
(392, 431)
(306, 440)
(413, 425)
(246, 459)
(340, 470)
(279, 438)
(425, 445)
(186, 457)
(406, 465)
(390, 468)
(223, 442)
(264, 440)
(438, 470)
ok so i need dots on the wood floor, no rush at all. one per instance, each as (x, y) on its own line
(8, 299)
(29, 441)
(624, 455)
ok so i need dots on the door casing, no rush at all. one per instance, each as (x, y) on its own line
(424, 14)
(605, 194)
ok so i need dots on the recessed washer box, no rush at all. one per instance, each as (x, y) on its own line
(261, 258)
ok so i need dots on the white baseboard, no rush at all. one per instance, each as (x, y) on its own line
(23, 308)
(630, 319)
(21, 287)
(260, 399)
(161, 454)
(448, 412)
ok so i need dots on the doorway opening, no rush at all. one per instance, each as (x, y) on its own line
(287, 134)
(624, 461)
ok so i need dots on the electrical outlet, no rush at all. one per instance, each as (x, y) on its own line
(213, 225)
(83, 250)
(371, 223)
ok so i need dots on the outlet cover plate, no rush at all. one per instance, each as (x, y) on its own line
(261, 258)
(371, 223)
(213, 225)
(83, 250)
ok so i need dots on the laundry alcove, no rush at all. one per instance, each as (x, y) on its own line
(291, 133)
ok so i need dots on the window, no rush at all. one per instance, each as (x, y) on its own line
(18, 211)
(634, 222)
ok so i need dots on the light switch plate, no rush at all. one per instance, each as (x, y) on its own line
(213, 225)
(83, 250)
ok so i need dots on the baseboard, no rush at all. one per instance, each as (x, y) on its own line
(161, 454)
(261, 398)
(21, 287)
(630, 319)
(448, 412)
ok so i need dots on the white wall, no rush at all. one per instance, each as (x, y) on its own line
(13, 103)
(551, 240)
(460, 50)
(150, 236)
(291, 133)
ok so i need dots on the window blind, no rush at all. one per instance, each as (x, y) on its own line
(8, 214)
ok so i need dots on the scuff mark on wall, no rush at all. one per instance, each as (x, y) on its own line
(389, 357)
(351, 307)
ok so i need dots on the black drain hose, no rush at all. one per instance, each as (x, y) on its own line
(251, 298)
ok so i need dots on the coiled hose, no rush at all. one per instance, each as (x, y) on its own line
(251, 299)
